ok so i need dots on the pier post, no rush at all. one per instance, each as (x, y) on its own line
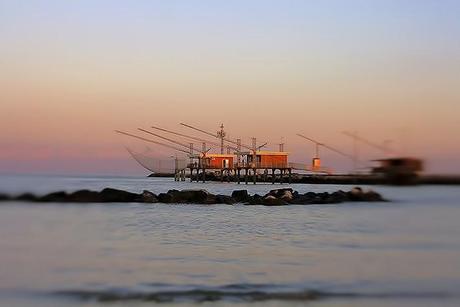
(254, 175)
(281, 175)
(204, 175)
(273, 176)
(238, 175)
(245, 176)
(290, 175)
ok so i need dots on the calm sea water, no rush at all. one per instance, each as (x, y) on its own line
(402, 253)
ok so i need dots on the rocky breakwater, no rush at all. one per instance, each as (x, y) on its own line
(278, 197)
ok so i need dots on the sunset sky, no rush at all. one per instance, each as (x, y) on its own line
(71, 72)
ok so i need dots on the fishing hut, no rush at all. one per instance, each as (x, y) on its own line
(260, 162)
(399, 170)
(219, 161)
(223, 164)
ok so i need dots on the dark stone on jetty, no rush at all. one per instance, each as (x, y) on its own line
(54, 197)
(148, 197)
(240, 195)
(109, 195)
(26, 197)
(271, 200)
(280, 192)
(357, 194)
(225, 199)
(188, 196)
(85, 196)
(255, 199)
(278, 197)
(165, 198)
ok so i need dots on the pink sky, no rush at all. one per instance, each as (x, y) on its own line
(68, 80)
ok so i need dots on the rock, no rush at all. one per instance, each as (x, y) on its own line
(256, 199)
(371, 195)
(26, 197)
(338, 197)
(165, 198)
(211, 199)
(287, 196)
(60, 196)
(356, 190)
(319, 200)
(4, 197)
(240, 195)
(278, 197)
(187, 196)
(278, 193)
(84, 196)
(199, 196)
(355, 194)
(109, 195)
(307, 198)
(148, 197)
(322, 198)
(271, 200)
(178, 196)
(310, 194)
(193, 196)
(225, 199)
(301, 199)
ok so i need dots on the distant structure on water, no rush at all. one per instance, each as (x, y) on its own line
(240, 162)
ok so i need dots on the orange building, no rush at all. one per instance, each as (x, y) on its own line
(218, 161)
(267, 159)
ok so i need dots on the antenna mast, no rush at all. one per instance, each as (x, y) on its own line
(221, 135)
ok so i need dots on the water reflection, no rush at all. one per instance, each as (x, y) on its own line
(411, 245)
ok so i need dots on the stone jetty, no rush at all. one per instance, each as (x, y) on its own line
(277, 197)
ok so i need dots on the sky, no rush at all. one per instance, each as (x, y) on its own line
(71, 72)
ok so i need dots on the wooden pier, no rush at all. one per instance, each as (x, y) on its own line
(244, 171)
(244, 174)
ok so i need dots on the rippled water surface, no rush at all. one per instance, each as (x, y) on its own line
(402, 253)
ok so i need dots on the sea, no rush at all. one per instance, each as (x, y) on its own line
(404, 252)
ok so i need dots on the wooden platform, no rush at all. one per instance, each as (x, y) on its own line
(243, 173)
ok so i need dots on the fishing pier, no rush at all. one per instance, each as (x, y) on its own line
(236, 161)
